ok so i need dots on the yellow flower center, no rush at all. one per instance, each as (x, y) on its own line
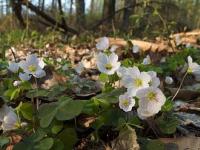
(189, 70)
(138, 82)
(151, 96)
(108, 66)
(125, 102)
(32, 68)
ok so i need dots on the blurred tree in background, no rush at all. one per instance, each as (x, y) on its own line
(135, 18)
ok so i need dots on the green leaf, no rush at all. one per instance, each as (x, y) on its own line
(3, 141)
(31, 142)
(168, 106)
(167, 123)
(68, 137)
(46, 114)
(103, 77)
(44, 144)
(57, 127)
(12, 93)
(27, 110)
(111, 97)
(70, 110)
(58, 145)
(37, 93)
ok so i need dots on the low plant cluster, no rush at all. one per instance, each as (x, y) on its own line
(133, 96)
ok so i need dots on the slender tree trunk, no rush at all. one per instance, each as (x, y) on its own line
(43, 1)
(71, 9)
(41, 4)
(80, 13)
(17, 10)
(53, 5)
(92, 7)
(108, 8)
(61, 12)
(127, 13)
(7, 7)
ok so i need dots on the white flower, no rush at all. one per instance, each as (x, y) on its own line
(113, 48)
(188, 45)
(102, 44)
(163, 60)
(193, 67)
(3, 111)
(107, 64)
(150, 101)
(65, 67)
(122, 71)
(33, 66)
(79, 68)
(136, 49)
(13, 66)
(155, 81)
(58, 59)
(169, 80)
(24, 76)
(16, 83)
(8, 118)
(146, 60)
(9, 121)
(135, 80)
(126, 102)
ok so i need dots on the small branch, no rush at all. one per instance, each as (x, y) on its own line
(13, 53)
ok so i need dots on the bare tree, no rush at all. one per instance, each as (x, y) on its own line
(61, 12)
(41, 4)
(92, 7)
(71, 9)
(127, 12)
(80, 13)
(108, 8)
(17, 9)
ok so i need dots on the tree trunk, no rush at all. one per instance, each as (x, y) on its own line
(17, 9)
(71, 9)
(128, 11)
(80, 13)
(48, 18)
(108, 9)
(61, 12)
(92, 7)
(41, 4)
(43, 1)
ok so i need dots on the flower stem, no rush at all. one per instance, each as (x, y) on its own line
(179, 86)
(37, 100)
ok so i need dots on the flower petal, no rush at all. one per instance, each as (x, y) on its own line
(24, 76)
(40, 73)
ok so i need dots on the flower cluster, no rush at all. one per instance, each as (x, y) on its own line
(32, 66)
(143, 85)
(8, 118)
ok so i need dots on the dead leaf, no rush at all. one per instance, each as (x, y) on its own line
(127, 140)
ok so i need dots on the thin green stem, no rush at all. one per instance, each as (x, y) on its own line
(179, 86)
(37, 100)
